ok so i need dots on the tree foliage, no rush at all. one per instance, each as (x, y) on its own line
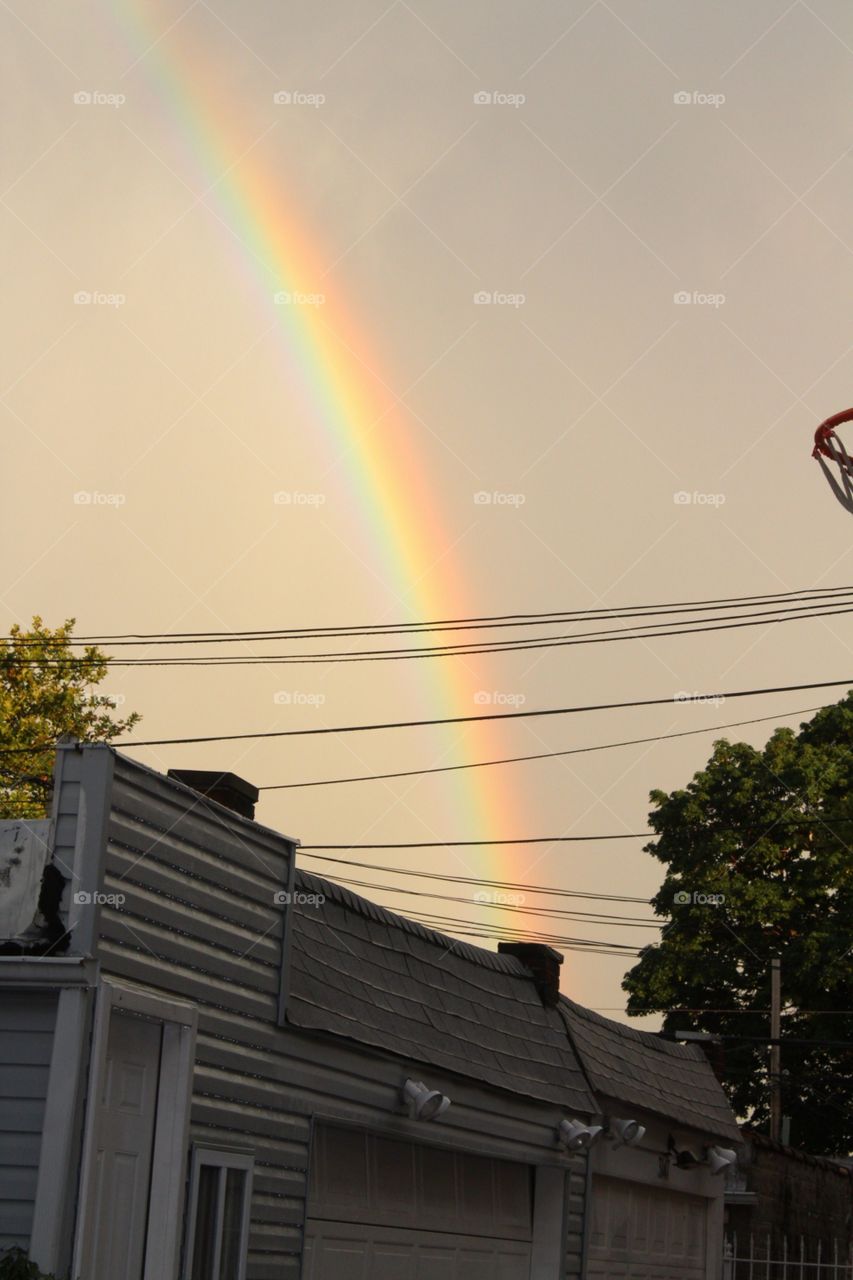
(15, 1265)
(46, 691)
(772, 831)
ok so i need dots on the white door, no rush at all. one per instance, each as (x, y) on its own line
(122, 1165)
(388, 1209)
(646, 1233)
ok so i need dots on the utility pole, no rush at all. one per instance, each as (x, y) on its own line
(775, 1049)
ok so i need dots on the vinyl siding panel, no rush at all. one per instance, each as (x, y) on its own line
(26, 1032)
(199, 920)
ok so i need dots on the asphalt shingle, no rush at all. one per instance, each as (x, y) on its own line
(374, 977)
(644, 1070)
(362, 972)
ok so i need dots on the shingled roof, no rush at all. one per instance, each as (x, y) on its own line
(377, 978)
(644, 1070)
(365, 973)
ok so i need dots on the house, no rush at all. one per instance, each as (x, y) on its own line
(216, 1065)
(655, 1207)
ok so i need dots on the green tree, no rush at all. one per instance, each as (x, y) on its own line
(772, 831)
(46, 692)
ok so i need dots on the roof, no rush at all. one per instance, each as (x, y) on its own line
(761, 1140)
(374, 977)
(641, 1068)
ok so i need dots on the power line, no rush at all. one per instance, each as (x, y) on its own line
(467, 844)
(475, 928)
(473, 880)
(470, 649)
(592, 917)
(491, 715)
(541, 755)
(419, 724)
(807, 819)
(476, 622)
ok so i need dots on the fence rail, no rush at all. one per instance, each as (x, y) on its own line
(764, 1257)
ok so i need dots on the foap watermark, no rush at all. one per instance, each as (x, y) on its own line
(498, 698)
(298, 498)
(297, 98)
(499, 898)
(695, 298)
(284, 898)
(85, 899)
(117, 699)
(697, 898)
(497, 498)
(94, 498)
(713, 699)
(695, 499)
(293, 298)
(298, 698)
(494, 298)
(97, 98)
(97, 298)
(696, 98)
(498, 98)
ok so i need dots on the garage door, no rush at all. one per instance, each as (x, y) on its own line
(385, 1209)
(646, 1233)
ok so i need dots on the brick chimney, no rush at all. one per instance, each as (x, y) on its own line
(225, 788)
(544, 964)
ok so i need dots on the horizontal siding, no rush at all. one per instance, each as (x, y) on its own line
(199, 920)
(26, 1032)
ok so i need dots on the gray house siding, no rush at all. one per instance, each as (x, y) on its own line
(199, 918)
(177, 896)
(26, 1033)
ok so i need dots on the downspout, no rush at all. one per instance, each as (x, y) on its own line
(587, 1190)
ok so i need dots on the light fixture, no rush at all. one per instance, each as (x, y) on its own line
(720, 1158)
(424, 1103)
(684, 1159)
(624, 1133)
(574, 1135)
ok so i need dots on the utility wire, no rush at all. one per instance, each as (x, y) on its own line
(476, 622)
(491, 715)
(473, 880)
(467, 844)
(541, 755)
(471, 649)
(589, 917)
(419, 724)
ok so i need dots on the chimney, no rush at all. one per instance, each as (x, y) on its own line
(543, 962)
(225, 788)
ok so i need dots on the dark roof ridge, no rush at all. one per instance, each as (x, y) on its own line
(806, 1157)
(498, 962)
(651, 1039)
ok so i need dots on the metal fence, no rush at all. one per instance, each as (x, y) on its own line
(765, 1257)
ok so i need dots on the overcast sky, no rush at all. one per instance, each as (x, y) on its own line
(625, 154)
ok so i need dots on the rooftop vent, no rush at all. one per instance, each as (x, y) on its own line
(225, 788)
(543, 962)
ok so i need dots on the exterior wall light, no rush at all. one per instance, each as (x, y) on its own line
(574, 1135)
(424, 1103)
(720, 1158)
(624, 1133)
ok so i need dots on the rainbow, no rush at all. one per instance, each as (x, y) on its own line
(349, 403)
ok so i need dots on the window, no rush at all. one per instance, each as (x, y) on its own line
(220, 1198)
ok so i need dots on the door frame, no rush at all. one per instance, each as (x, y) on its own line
(179, 1020)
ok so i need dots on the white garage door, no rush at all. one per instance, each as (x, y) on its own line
(646, 1233)
(386, 1209)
